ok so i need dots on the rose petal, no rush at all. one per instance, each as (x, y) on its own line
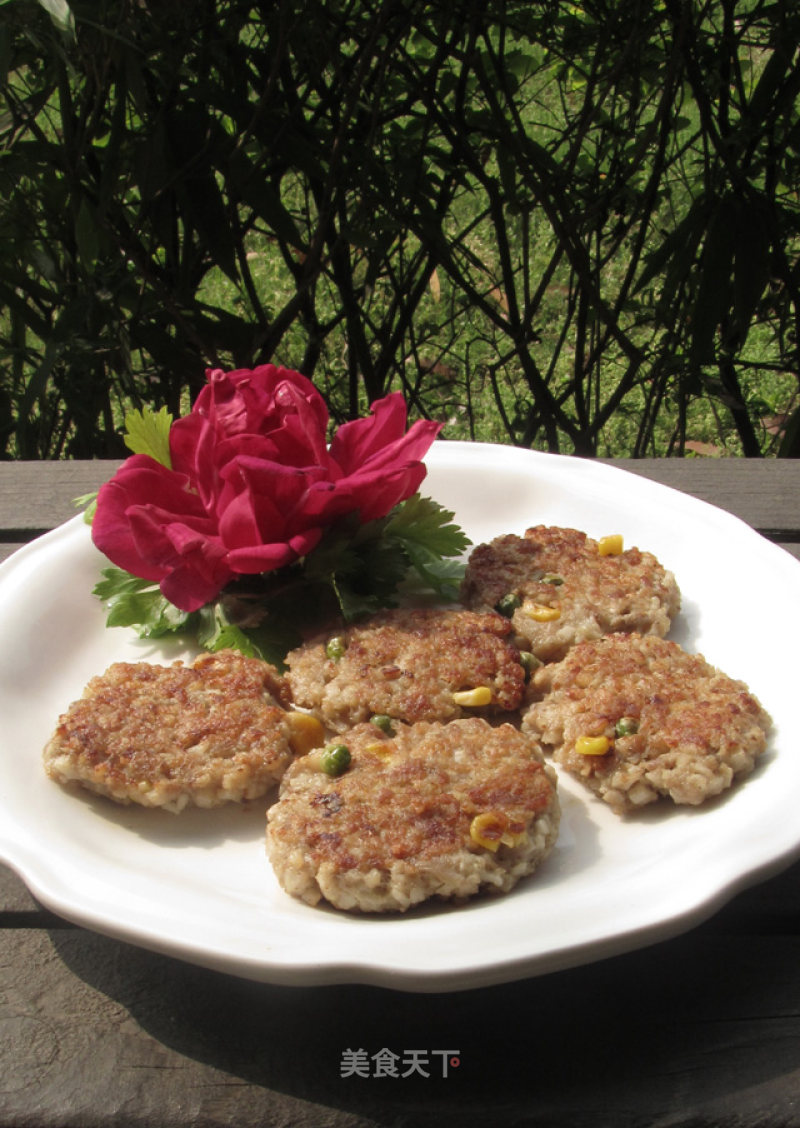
(267, 557)
(193, 561)
(376, 493)
(238, 524)
(382, 435)
(137, 483)
(253, 560)
(264, 502)
(189, 589)
(192, 443)
(253, 485)
(258, 400)
(289, 445)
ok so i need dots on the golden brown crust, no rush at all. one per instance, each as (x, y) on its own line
(694, 729)
(597, 594)
(171, 736)
(407, 664)
(395, 828)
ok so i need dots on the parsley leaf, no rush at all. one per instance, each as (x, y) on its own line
(133, 602)
(360, 564)
(427, 535)
(147, 432)
(424, 522)
(441, 576)
(88, 503)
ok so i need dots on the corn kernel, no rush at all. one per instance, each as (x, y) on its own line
(486, 830)
(481, 695)
(610, 545)
(305, 733)
(592, 745)
(379, 748)
(491, 829)
(541, 613)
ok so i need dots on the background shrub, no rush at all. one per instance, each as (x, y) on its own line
(568, 226)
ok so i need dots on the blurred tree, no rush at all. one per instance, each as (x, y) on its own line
(588, 210)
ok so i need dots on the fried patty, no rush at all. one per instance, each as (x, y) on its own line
(408, 664)
(433, 811)
(560, 588)
(637, 718)
(170, 736)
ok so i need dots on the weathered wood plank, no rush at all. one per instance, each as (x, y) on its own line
(765, 493)
(703, 1031)
(41, 495)
(14, 896)
(7, 550)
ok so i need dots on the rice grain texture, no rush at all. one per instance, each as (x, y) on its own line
(567, 590)
(434, 811)
(200, 735)
(408, 664)
(675, 727)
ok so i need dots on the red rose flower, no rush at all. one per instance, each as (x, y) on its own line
(253, 484)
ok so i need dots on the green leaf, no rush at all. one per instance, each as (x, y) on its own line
(442, 576)
(672, 259)
(263, 198)
(271, 642)
(6, 55)
(424, 522)
(790, 444)
(117, 581)
(269, 623)
(230, 637)
(147, 432)
(360, 565)
(715, 284)
(134, 602)
(212, 628)
(335, 554)
(752, 263)
(355, 604)
(383, 564)
(88, 503)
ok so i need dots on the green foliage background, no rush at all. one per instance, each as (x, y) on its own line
(568, 226)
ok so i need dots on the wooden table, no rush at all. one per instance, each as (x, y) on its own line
(699, 1030)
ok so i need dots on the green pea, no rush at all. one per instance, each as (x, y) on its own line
(626, 726)
(335, 760)
(508, 604)
(529, 662)
(384, 723)
(336, 647)
(552, 578)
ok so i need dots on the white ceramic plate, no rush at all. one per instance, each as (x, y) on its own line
(198, 886)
